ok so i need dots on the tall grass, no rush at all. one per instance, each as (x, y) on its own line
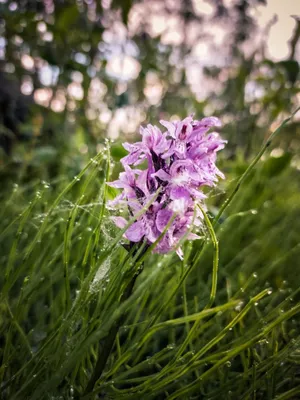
(187, 332)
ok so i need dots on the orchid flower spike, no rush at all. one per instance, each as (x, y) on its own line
(180, 161)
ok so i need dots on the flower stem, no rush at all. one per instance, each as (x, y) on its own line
(214, 278)
(107, 343)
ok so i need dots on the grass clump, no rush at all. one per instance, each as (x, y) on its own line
(65, 272)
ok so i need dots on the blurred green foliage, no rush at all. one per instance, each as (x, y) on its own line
(56, 52)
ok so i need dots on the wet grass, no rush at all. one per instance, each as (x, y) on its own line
(222, 323)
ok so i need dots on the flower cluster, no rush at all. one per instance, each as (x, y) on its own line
(180, 161)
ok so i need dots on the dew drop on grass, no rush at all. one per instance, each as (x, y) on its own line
(270, 292)
(94, 161)
(263, 342)
(228, 364)
(239, 306)
(45, 184)
(171, 346)
(256, 304)
(254, 275)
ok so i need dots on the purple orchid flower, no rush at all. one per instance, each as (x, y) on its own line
(180, 161)
(154, 143)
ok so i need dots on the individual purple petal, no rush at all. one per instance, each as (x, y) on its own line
(117, 201)
(184, 129)
(193, 236)
(116, 184)
(170, 151)
(180, 149)
(131, 148)
(141, 182)
(132, 159)
(179, 192)
(211, 121)
(162, 218)
(170, 127)
(135, 232)
(179, 252)
(120, 222)
(163, 175)
(135, 155)
(197, 194)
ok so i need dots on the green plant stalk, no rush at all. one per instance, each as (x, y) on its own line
(290, 394)
(232, 353)
(213, 287)
(179, 373)
(251, 166)
(108, 342)
(214, 279)
(174, 292)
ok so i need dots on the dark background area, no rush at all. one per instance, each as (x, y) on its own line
(75, 72)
